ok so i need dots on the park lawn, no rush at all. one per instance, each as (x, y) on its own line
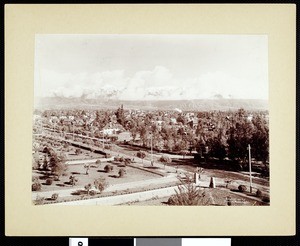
(219, 198)
(86, 154)
(132, 174)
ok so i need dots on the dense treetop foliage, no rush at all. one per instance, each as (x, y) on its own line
(217, 134)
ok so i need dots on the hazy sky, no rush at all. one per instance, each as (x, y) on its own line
(138, 67)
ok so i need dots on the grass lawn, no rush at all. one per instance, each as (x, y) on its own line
(132, 174)
(219, 197)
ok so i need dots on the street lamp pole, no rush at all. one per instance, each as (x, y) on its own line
(249, 149)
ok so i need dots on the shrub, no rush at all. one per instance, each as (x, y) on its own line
(39, 200)
(108, 168)
(188, 194)
(141, 154)
(93, 192)
(73, 180)
(266, 199)
(127, 161)
(88, 188)
(35, 179)
(165, 159)
(242, 188)
(78, 151)
(98, 162)
(258, 193)
(54, 196)
(120, 159)
(121, 172)
(100, 184)
(36, 186)
(49, 181)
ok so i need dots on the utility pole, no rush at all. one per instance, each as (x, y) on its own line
(103, 139)
(72, 130)
(249, 149)
(151, 150)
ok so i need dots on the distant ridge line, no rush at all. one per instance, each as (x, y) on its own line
(185, 105)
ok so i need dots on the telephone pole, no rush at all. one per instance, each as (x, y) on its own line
(249, 149)
(151, 150)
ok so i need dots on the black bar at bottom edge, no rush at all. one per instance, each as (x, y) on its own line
(111, 241)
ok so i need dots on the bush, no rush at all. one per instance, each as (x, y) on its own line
(141, 154)
(120, 159)
(35, 179)
(187, 194)
(93, 192)
(165, 159)
(98, 162)
(266, 199)
(242, 188)
(78, 151)
(122, 172)
(39, 200)
(73, 180)
(172, 200)
(54, 196)
(36, 186)
(258, 193)
(108, 168)
(100, 184)
(49, 181)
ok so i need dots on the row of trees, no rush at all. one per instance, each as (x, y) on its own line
(217, 134)
(227, 134)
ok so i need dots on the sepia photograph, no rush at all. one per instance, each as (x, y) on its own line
(164, 116)
(150, 120)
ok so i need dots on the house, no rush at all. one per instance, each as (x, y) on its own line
(112, 129)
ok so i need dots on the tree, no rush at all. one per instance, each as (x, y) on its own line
(165, 160)
(181, 119)
(36, 160)
(260, 139)
(217, 149)
(78, 151)
(141, 154)
(121, 172)
(144, 134)
(120, 116)
(100, 184)
(239, 138)
(73, 180)
(127, 161)
(87, 168)
(36, 185)
(45, 163)
(59, 168)
(218, 145)
(88, 187)
(108, 168)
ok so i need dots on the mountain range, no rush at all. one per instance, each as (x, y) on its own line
(185, 105)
